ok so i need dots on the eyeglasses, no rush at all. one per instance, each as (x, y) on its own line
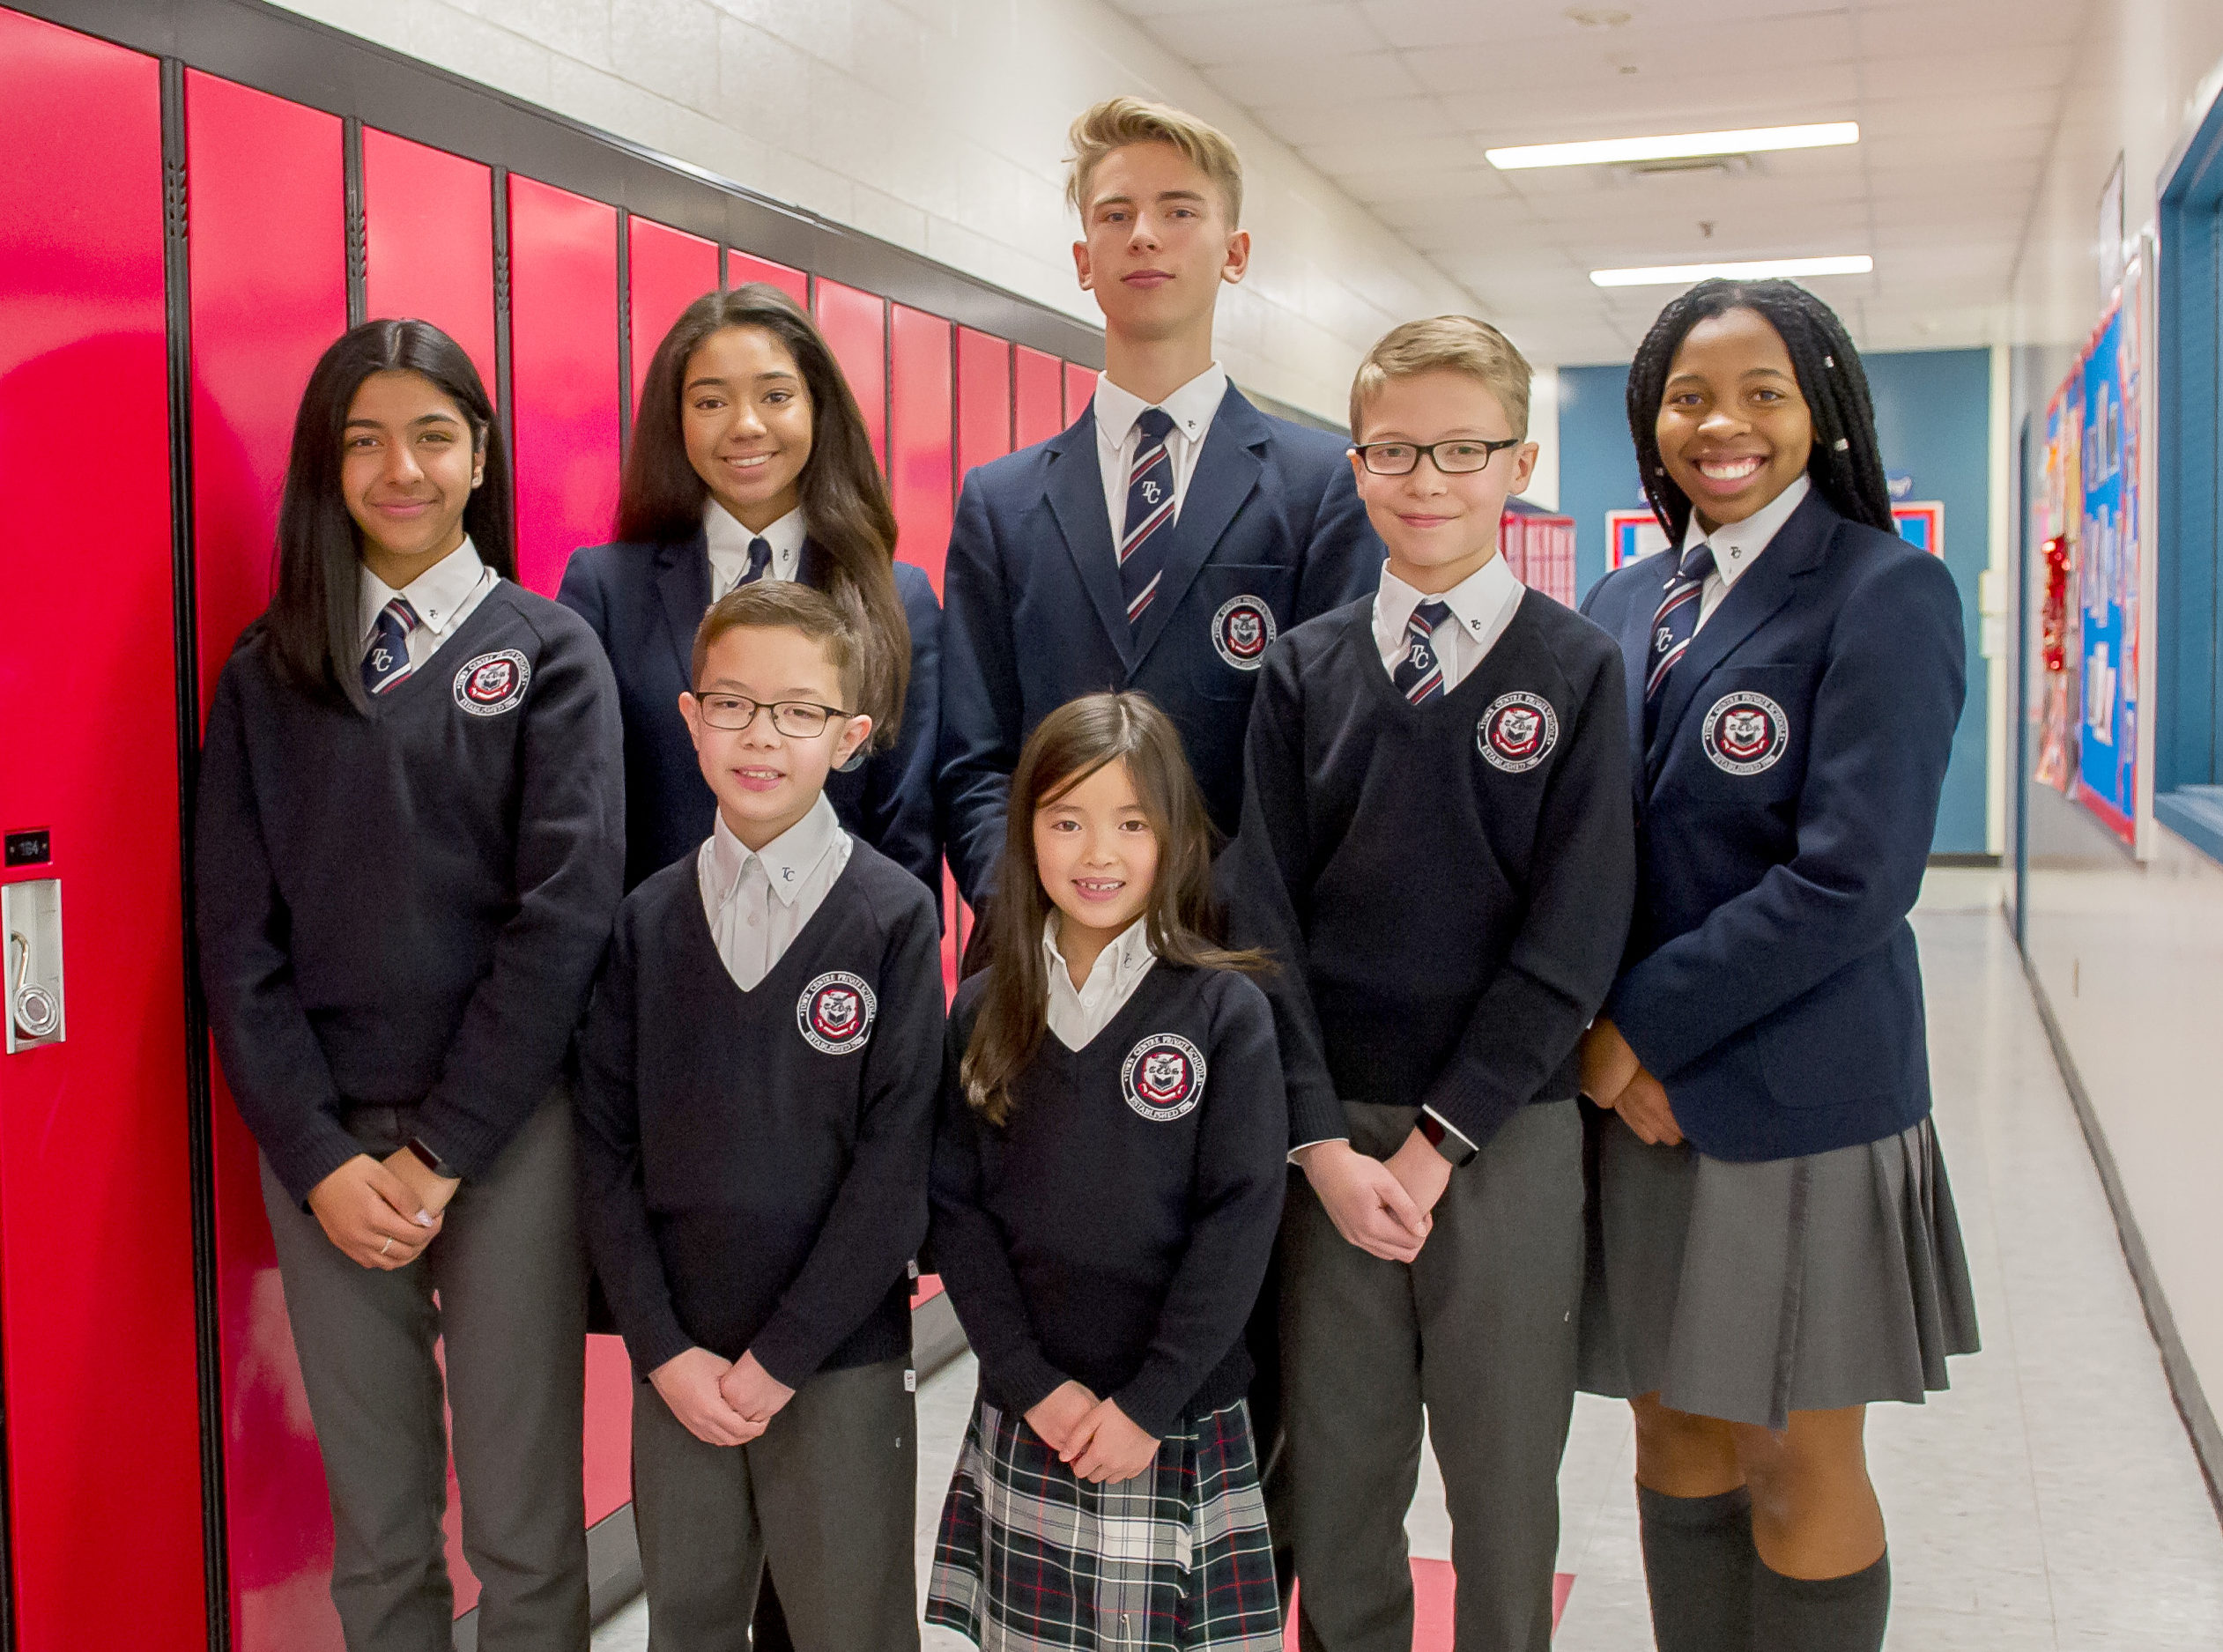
(1452, 458)
(797, 719)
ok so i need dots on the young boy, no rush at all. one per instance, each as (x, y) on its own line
(756, 1105)
(1438, 845)
(1162, 541)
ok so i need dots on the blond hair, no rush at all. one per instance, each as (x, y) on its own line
(1116, 123)
(1456, 342)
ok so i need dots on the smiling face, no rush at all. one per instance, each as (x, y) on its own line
(408, 463)
(1096, 852)
(1157, 243)
(745, 414)
(1734, 428)
(766, 781)
(1439, 529)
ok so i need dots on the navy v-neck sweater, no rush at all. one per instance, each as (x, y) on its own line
(404, 907)
(1448, 886)
(1115, 1230)
(753, 1164)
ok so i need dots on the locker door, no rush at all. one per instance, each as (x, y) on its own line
(856, 328)
(97, 1353)
(1038, 396)
(742, 268)
(919, 476)
(668, 270)
(1080, 385)
(983, 399)
(266, 197)
(428, 241)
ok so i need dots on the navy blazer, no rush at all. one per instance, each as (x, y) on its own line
(645, 601)
(1785, 811)
(1271, 533)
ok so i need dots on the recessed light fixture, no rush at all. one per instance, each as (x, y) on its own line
(1761, 270)
(1608, 150)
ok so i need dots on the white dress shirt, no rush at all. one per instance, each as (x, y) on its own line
(1191, 407)
(1077, 1014)
(1738, 545)
(729, 542)
(758, 900)
(1482, 606)
(443, 596)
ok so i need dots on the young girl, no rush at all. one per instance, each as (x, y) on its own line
(1107, 1182)
(750, 460)
(411, 849)
(1777, 1244)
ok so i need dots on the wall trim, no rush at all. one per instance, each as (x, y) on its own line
(2191, 1400)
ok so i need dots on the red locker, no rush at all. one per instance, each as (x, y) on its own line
(856, 328)
(983, 399)
(921, 474)
(428, 224)
(563, 370)
(741, 268)
(269, 291)
(1080, 385)
(667, 271)
(1038, 396)
(97, 1359)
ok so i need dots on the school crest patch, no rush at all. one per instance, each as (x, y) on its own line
(494, 683)
(835, 1012)
(1164, 1077)
(1517, 732)
(1745, 733)
(1241, 630)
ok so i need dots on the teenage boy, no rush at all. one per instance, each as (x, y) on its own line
(756, 1104)
(1171, 532)
(1437, 844)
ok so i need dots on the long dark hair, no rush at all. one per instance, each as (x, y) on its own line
(1072, 742)
(314, 622)
(845, 502)
(1846, 464)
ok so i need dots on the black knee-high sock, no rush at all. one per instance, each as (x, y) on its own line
(1829, 1614)
(1698, 1568)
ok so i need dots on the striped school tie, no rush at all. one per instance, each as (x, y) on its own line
(386, 662)
(1673, 625)
(1150, 511)
(1419, 676)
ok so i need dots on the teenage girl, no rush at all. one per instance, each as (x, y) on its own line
(410, 845)
(1107, 1178)
(1777, 1245)
(750, 460)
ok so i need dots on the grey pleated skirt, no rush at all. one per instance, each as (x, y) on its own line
(1747, 1291)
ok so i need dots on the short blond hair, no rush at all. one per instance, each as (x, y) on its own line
(1116, 123)
(1458, 343)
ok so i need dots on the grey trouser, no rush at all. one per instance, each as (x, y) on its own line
(827, 1493)
(511, 1275)
(1480, 1331)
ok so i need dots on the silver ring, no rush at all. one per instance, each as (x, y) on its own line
(388, 1246)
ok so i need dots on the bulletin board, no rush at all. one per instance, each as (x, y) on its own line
(2110, 583)
(1631, 533)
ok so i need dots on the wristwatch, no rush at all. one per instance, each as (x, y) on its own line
(1456, 1149)
(432, 1161)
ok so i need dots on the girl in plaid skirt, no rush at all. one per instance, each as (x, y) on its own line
(1108, 1180)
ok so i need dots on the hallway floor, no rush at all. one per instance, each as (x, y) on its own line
(2050, 1500)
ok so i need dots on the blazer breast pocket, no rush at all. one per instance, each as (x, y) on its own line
(1241, 607)
(1743, 738)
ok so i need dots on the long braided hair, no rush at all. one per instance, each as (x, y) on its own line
(1846, 464)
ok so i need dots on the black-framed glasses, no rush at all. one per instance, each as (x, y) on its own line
(1460, 457)
(797, 719)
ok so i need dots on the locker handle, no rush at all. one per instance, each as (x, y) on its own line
(31, 914)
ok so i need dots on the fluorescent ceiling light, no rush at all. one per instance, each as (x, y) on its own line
(1684, 274)
(1608, 150)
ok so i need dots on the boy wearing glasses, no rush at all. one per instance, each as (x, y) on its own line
(1438, 843)
(756, 1099)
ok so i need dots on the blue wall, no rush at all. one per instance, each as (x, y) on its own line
(1933, 409)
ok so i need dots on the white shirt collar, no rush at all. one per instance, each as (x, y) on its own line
(436, 593)
(786, 860)
(1127, 957)
(728, 537)
(1738, 545)
(1478, 602)
(1189, 407)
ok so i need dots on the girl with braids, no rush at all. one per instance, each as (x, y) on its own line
(1775, 1245)
(750, 460)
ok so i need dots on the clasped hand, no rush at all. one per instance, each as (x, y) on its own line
(1614, 1077)
(381, 1214)
(1093, 1437)
(720, 1402)
(1382, 1206)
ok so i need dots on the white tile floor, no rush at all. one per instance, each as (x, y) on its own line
(2049, 1500)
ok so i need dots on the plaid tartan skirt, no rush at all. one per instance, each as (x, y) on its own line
(1031, 1558)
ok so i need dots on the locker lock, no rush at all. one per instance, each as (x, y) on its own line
(37, 1011)
(31, 918)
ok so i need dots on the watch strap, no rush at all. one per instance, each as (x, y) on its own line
(432, 1161)
(1454, 1147)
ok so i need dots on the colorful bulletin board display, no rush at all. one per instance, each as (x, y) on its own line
(1631, 533)
(2110, 584)
(1921, 524)
(2058, 662)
